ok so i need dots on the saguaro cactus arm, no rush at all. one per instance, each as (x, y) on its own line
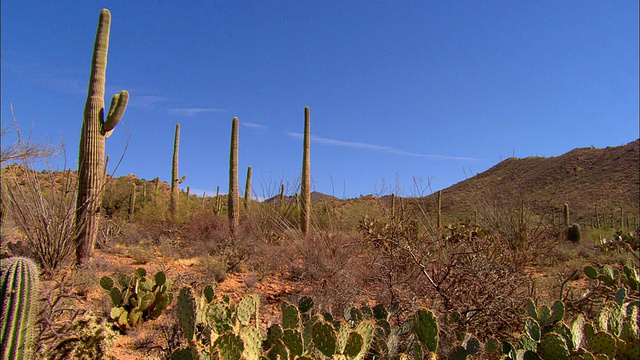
(116, 110)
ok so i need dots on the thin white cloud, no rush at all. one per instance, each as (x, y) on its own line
(195, 111)
(253, 125)
(386, 149)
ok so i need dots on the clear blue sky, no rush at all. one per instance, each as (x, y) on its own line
(433, 90)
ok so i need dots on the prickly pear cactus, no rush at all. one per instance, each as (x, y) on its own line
(138, 299)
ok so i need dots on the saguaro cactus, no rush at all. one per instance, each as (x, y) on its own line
(247, 189)
(175, 180)
(305, 187)
(132, 203)
(234, 210)
(19, 285)
(95, 130)
(439, 214)
(565, 210)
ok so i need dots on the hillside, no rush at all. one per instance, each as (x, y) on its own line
(583, 177)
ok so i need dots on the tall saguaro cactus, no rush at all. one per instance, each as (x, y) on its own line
(95, 130)
(247, 189)
(19, 283)
(439, 213)
(305, 188)
(234, 210)
(175, 181)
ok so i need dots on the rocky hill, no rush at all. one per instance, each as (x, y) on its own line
(582, 178)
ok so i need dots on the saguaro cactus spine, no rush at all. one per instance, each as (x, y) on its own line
(95, 130)
(234, 210)
(175, 180)
(247, 189)
(305, 188)
(19, 285)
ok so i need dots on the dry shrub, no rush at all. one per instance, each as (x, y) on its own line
(42, 209)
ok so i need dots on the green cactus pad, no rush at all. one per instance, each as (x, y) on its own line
(380, 312)
(116, 312)
(140, 273)
(629, 349)
(324, 338)
(116, 296)
(354, 346)
(473, 346)
(564, 330)
(532, 328)
(229, 345)
(292, 339)
(529, 355)
(252, 343)
(553, 346)
(557, 312)
(525, 342)
(209, 293)
(610, 318)
(492, 345)
(305, 304)
(603, 343)
(278, 351)
(290, 316)
(425, 326)
(530, 305)
(577, 332)
(591, 272)
(544, 316)
(458, 353)
(183, 354)
(106, 283)
(160, 278)
(245, 309)
(187, 312)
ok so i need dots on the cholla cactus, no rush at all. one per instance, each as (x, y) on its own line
(95, 130)
(19, 285)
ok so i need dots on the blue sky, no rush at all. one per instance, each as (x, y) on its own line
(399, 90)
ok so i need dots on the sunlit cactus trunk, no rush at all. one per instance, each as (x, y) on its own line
(305, 191)
(95, 130)
(175, 180)
(233, 205)
(19, 282)
(247, 189)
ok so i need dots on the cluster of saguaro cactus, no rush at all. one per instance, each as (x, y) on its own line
(233, 201)
(19, 283)
(138, 299)
(305, 187)
(176, 180)
(95, 130)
